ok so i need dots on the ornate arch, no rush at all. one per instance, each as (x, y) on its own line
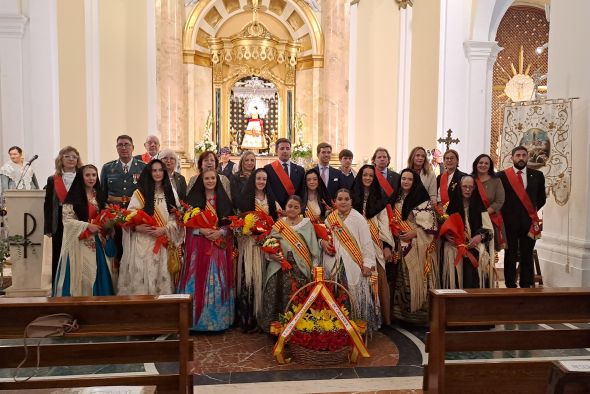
(208, 20)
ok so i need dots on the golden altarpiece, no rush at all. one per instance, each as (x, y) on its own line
(255, 55)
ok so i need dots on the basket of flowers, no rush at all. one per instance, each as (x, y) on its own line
(319, 326)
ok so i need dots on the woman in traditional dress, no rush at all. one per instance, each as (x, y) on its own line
(177, 180)
(208, 270)
(368, 199)
(354, 263)
(417, 162)
(475, 269)
(239, 180)
(14, 175)
(300, 248)
(256, 196)
(415, 228)
(83, 268)
(67, 162)
(491, 191)
(316, 200)
(208, 160)
(144, 265)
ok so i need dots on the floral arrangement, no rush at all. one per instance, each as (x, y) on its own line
(138, 217)
(271, 245)
(190, 217)
(107, 219)
(324, 233)
(440, 212)
(253, 223)
(301, 150)
(319, 328)
(206, 143)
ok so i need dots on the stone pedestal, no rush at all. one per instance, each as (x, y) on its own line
(31, 273)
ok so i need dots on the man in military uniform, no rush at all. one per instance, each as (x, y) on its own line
(118, 181)
(118, 178)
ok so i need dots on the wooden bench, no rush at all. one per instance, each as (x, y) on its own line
(120, 316)
(485, 307)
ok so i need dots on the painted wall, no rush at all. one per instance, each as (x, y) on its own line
(424, 73)
(123, 73)
(376, 82)
(72, 75)
(565, 247)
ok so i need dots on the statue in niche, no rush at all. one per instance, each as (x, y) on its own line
(254, 138)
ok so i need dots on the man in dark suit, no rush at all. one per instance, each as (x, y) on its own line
(381, 160)
(226, 166)
(152, 149)
(330, 175)
(453, 176)
(284, 177)
(525, 195)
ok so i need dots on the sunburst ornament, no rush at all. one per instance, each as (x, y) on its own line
(518, 86)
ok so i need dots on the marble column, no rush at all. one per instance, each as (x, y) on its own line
(481, 56)
(170, 75)
(334, 75)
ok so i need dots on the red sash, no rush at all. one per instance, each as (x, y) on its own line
(496, 217)
(146, 158)
(283, 177)
(536, 224)
(444, 188)
(60, 188)
(92, 211)
(383, 183)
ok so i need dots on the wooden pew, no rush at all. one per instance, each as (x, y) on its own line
(119, 316)
(484, 307)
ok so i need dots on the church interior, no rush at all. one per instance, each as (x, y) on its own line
(358, 74)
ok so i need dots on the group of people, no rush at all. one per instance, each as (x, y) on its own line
(389, 242)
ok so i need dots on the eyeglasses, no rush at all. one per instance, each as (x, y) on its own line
(467, 187)
(71, 157)
(125, 145)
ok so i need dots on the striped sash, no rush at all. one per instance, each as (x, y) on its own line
(399, 224)
(346, 239)
(297, 244)
(374, 229)
(312, 216)
(261, 208)
(159, 219)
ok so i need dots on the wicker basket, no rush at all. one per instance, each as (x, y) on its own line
(320, 357)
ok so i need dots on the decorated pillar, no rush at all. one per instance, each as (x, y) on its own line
(481, 56)
(334, 80)
(170, 75)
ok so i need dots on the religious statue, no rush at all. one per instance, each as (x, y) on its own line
(254, 134)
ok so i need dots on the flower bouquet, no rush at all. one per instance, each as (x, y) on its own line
(202, 219)
(324, 233)
(440, 211)
(318, 325)
(139, 217)
(253, 223)
(107, 219)
(271, 245)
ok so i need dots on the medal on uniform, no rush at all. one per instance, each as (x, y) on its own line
(135, 178)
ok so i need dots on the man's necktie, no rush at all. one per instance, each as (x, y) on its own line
(286, 167)
(125, 168)
(324, 175)
(519, 173)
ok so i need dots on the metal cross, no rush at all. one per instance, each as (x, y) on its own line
(449, 140)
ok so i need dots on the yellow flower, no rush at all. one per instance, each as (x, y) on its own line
(249, 221)
(131, 215)
(304, 325)
(326, 325)
(339, 325)
(296, 308)
(344, 310)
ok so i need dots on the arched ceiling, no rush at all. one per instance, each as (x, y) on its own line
(292, 20)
